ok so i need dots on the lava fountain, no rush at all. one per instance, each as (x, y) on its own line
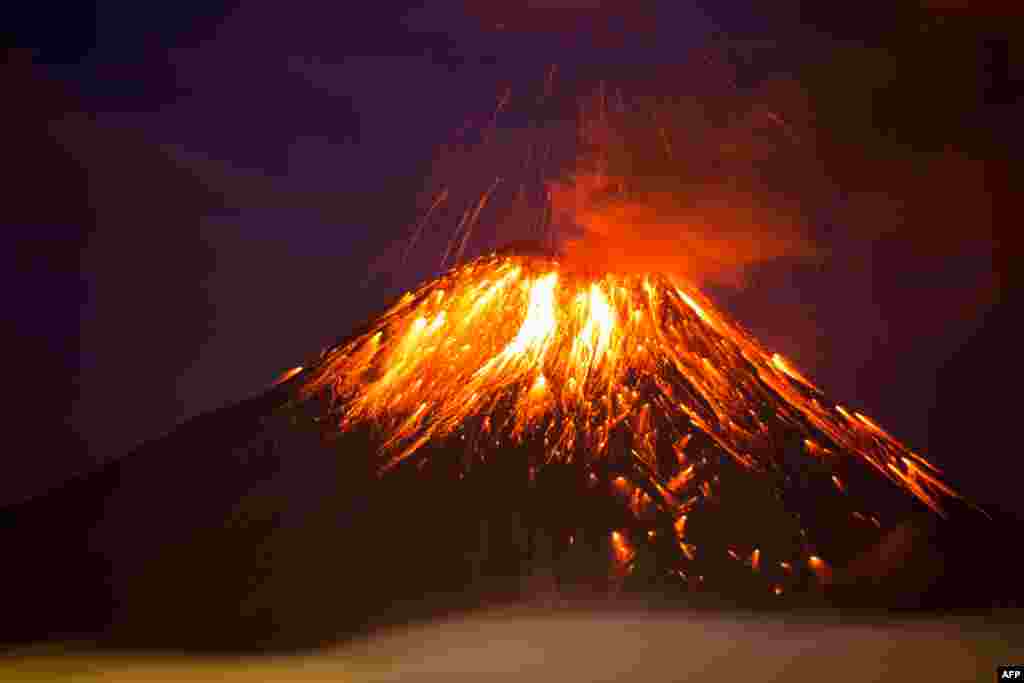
(630, 374)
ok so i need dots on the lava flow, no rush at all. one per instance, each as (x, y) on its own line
(509, 348)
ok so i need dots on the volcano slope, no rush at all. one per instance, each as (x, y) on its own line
(264, 526)
(240, 530)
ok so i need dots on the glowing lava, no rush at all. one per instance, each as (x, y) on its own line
(512, 347)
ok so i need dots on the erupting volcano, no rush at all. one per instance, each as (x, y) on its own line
(566, 392)
(600, 355)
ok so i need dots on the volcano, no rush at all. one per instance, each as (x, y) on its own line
(617, 434)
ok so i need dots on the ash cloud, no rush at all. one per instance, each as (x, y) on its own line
(703, 187)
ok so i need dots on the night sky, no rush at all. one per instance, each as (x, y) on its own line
(208, 194)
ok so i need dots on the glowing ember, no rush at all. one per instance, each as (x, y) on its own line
(681, 526)
(820, 568)
(623, 552)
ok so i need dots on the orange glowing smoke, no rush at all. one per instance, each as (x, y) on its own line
(713, 236)
(515, 347)
(661, 185)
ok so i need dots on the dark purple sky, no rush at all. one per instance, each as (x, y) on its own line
(247, 166)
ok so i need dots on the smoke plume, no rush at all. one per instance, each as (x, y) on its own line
(704, 188)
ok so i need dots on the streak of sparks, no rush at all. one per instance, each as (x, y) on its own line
(287, 375)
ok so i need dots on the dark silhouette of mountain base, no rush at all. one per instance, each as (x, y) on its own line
(258, 527)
